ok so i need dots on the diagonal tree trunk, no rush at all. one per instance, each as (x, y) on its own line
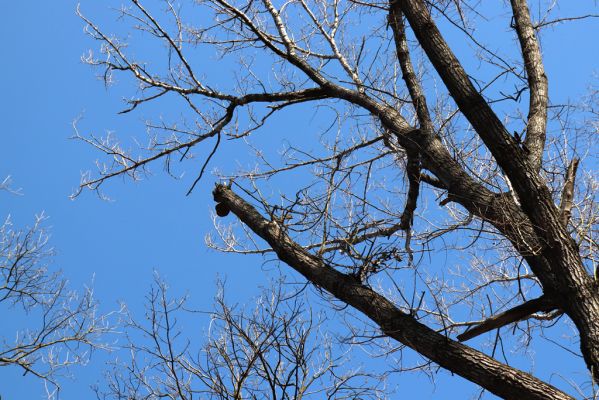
(498, 378)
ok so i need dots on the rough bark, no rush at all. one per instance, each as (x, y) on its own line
(557, 263)
(565, 206)
(537, 83)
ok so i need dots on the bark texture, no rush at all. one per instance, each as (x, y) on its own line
(556, 261)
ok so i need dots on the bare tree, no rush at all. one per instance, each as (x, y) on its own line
(63, 326)
(419, 158)
(269, 352)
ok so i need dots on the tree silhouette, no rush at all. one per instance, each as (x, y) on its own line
(361, 223)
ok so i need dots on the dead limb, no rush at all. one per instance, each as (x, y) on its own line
(518, 313)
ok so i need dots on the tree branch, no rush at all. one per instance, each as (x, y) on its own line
(515, 314)
(471, 364)
(565, 206)
(537, 82)
(419, 100)
(413, 172)
(409, 76)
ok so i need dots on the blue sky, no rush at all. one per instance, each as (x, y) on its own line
(150, 225)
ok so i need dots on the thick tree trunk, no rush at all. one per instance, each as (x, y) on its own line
(557, 262)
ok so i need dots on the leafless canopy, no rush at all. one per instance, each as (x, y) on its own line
(63, 326)
(268, 352)
(419, 157)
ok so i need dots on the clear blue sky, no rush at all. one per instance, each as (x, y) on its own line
(151, 225)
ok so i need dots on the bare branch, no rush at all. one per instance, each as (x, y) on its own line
(350, 195)
(274, 350)
(537, 83)
(515, 314)
(568, 191)
(63, 326)
(502, 380)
